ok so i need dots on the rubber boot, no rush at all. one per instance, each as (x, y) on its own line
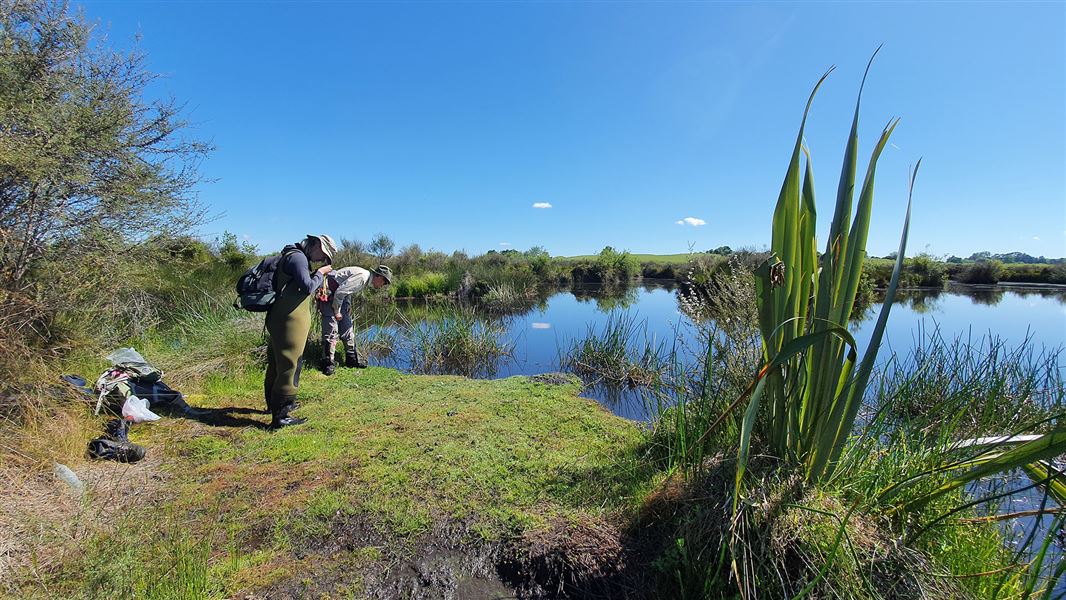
(115, 444)
(328, 368)
(351, 359)
(117, 430)
(280, 411)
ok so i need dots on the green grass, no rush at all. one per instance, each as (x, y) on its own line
(405, 453)
(618, 353)
(422, 285)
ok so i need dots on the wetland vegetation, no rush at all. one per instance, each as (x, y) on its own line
(782, 450)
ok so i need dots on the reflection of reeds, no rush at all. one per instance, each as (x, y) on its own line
(620, 354)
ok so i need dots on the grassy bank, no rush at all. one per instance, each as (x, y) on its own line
(387, 464)
(424, 486)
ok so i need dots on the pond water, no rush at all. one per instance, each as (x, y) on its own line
(541, 334)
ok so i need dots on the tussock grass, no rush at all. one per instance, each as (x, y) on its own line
(458, 340)
(423, 285)
(973, 387)
(619, 353)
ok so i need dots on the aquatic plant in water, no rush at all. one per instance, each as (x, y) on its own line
(459, 341)
(619, 354)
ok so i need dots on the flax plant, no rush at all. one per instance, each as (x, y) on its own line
(804, 401)
(812, 383)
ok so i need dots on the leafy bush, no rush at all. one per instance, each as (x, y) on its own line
(985, 271)
(1026, 273)
(236, 254)
(923, 271)
(652, 270)
(1057, 274)
(616, 266)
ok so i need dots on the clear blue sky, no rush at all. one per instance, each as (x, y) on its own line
(442, 124)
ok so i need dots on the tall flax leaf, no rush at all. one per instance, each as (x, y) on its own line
(781, 290)
(825, 358)
(827, 452)
(1055, 478)
(811, 396)
(791, 350)
(856, 252)
(785, 240)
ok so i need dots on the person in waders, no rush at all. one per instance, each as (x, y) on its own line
(335, 306)
(289, 321)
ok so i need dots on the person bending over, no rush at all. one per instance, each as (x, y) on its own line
(335, 306)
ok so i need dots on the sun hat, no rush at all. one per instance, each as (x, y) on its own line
(384, 271)
(326, 243)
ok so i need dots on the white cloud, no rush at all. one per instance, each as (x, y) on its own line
(542, 205)
(542, 325)
(1036, 237)
(505, 243)
(691, 221)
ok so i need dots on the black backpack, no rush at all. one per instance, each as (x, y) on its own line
(255, 289)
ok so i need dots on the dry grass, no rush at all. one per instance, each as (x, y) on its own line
(44, 524)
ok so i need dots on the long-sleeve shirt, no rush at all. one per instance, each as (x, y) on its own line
(349, 280)
(296, 265)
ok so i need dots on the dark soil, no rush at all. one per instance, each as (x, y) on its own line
(567, 560)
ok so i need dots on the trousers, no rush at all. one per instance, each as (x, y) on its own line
(333, 330)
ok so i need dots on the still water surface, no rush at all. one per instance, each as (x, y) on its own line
(541, 334)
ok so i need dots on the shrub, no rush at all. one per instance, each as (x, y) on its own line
(651, 270)
(614, 265)
(1057, 274)
(1026, 273)
(923, 271)
(985, 271)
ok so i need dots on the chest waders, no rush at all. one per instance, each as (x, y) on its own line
(287, 323)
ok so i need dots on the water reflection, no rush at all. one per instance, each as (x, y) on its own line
(991, 296)
(920, 301)
(537, 327)
(610, 298)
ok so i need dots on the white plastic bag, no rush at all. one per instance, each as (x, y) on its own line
(125, 355)
(136, 410)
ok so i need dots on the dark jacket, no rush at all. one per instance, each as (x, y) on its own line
(297, 266)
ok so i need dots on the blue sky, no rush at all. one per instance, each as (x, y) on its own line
(443, 124)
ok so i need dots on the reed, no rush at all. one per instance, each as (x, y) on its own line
(457, 341)
(619, 353)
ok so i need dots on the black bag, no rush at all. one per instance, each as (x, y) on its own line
(255, 289)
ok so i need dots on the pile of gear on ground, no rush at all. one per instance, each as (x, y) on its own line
(127, 389)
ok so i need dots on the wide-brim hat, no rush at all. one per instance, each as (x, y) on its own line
(326, 243)
(384, 271)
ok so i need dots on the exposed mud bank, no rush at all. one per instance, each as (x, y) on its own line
(580, 560)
